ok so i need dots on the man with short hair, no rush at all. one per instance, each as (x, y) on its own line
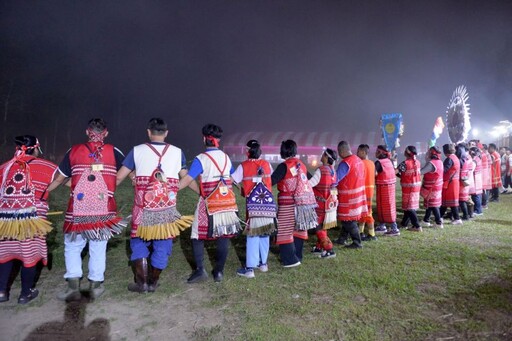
(367, 223)
(216, 212)
(495, 173)
(352, 204)
(158, 167)
(91, 216)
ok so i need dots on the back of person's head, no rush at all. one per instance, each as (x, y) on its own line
(449, 148)
(463, 145)
(411, 150)
(157, 126)
(97, 125)
(331, 156)
(212, 133)
(344, 148)
(382, 152)
(460, 151)
(434, 153)
(28, 142)
(253, 149)
(364, 148)
(288, 149)
(474, 151)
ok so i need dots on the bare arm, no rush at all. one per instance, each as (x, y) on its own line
(59, 180)
(187, 181)
(122, 173)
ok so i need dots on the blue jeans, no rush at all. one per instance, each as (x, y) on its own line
(162, 249)
(97, 257)
(257, 250)
(477, 199)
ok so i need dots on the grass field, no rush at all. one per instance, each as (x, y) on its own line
(450, 284)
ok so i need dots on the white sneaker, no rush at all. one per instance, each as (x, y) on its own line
(291, 265)
(415, 229)
(439, 226)
(263, 267)
(457, 222)
(426, 224)
(245, 272)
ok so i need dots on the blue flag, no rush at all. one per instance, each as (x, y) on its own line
(390, 125)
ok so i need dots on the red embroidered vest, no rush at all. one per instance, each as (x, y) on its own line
(351, 191)
(495, 169)
(285, 186)
(434, 180)
(454, 172)
(387, 176)
(411, 178)
(251, 167)
(327, 179)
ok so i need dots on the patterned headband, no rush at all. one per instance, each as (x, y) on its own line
(96, 136)
(329, 155)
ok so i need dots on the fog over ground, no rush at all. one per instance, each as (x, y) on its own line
(247, 66)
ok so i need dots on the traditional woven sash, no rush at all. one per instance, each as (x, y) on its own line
(305, 202)
(221, 206)
(160, 218)
(331, 206)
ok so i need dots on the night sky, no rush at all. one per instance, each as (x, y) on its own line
(247, 66)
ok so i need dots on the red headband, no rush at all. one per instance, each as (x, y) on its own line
(382, 151)
(213, 139)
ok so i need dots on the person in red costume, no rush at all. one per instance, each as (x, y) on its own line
(352, 205)
(367, 223)
(385, 184)
(91, 217)
(451, 184)
(294, 217)
(324, 187)
(432, 187)
(410, 180)
(24, 179)
(495, 173)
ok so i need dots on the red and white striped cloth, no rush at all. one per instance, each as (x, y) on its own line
(386, 203)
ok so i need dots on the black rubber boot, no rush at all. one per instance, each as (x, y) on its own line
(140, 269)
(154, 276)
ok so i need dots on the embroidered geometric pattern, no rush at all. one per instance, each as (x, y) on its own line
(90, 194)
(261, 203)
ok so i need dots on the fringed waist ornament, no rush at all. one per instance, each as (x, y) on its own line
(160, 218)
(221, 207)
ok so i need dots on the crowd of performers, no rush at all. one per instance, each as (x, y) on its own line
(339, 193)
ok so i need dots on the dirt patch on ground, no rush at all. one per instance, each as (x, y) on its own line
(181, 316)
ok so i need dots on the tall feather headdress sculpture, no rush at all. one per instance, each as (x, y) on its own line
(458, 116)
